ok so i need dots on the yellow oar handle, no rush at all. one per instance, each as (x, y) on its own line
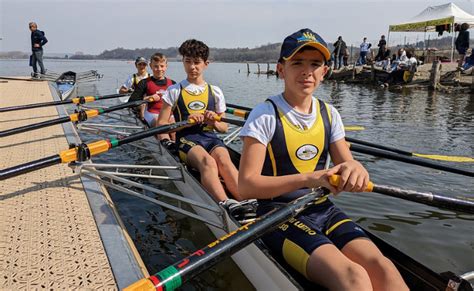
(141, 285)
(152, 99)
(336, 179)
(86, 99)
(94, 148)
(90, 113)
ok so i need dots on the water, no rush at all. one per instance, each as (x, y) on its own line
(417, 121)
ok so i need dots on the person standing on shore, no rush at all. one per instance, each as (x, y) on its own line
(340, 48)
(382, 44)
(364, 49)
(38, 40)
(462, 43)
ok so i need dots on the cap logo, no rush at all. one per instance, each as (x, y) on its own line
(307, 36)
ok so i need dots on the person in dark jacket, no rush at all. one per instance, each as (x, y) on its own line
(340, 48)
(462, 42)
(38, 40)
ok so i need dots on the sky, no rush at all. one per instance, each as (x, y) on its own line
(92, 26)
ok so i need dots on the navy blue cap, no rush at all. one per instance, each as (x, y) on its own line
(140, 60)
(303, 37)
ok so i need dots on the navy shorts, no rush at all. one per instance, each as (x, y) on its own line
(208, 140)
(320, 224)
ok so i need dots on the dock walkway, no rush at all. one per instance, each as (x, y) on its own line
(54, 235)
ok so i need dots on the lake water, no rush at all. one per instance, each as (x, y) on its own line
(417, 121)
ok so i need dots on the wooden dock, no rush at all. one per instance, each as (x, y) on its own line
(56, 231)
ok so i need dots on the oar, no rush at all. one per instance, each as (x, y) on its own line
(175, 275)
(80, 116)
(244, 112)
(415, 196)
(77, 100)
(406, 159)
(84, 151)
(20, 79)
(402, 152)
(380, 153)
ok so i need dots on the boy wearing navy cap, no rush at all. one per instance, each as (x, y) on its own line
(287, 142)
(134, 79)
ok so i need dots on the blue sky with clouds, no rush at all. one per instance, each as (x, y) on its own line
(93, 26)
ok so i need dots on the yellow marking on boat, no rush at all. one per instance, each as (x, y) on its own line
(446, 158)
(353, 128)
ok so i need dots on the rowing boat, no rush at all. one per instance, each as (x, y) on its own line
(267, 271)
(66, 83)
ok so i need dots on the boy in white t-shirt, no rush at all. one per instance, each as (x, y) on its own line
(287, 140)
(199, 146)
(132, 80)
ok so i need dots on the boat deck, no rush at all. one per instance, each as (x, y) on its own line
(56, 231)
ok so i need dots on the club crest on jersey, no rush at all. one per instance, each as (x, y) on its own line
(307, 152)
(196, 105)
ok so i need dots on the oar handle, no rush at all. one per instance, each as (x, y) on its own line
(427, 198)
(228, 120)
(336, 179)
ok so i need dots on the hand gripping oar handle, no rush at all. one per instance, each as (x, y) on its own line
(416, 196)
(175, 275)
(84, 151)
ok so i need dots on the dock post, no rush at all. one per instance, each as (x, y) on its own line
(248, 68)
(350, 56)
(372, 72)
(268, 68)
(472, 81)
(435, 74)
(354, 72)
(258, 68)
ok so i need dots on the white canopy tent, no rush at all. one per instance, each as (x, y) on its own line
(434, 16)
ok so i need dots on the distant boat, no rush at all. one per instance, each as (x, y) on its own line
(66, 84)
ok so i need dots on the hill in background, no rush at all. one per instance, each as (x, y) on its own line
(268, 53)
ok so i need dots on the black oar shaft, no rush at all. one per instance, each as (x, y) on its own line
(34, 126)
(174, 276)
(77, 100)
(77, 117)
(84, 151)
(233, 121)
(410, 160)
(382, 147)
(29, 167)
(153, 131)
(427, 198)
(238, 107)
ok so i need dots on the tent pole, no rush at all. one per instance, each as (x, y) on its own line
(424, 46)
(452, 42)
(388, 38)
